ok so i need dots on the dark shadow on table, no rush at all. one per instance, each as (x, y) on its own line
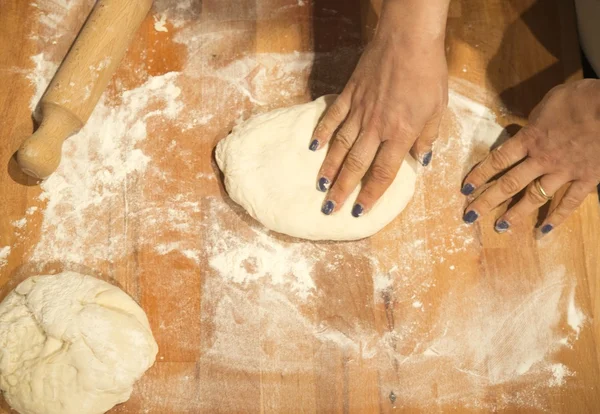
(539, 20)
(588, 70)
(337, 43)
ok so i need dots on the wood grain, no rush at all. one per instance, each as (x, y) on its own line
(259, 347)
(80, 82)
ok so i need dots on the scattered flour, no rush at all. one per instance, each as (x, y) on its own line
(98, 168)
(492, 342)
(244, 260)
(160, 23)
(263, 295)
(382, 283)
(20, 224)
(40, 77)
(52, 39)
(4, 253)
(575, 317)
(559, 373)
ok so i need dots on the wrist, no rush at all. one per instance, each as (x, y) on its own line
(414, 21)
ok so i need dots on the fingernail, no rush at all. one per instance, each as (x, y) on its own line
(470, 217)
(328, 207)
(502, 226)
(314, 145)
(547, 228)
(467, 189)
(323, 184)
(427, 159)
(357, 210)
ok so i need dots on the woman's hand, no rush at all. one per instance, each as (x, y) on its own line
(392, 104)
(560, 145)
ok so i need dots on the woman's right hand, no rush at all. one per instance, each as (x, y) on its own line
(392, 104)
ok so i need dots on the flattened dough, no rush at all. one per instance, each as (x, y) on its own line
(270, 171)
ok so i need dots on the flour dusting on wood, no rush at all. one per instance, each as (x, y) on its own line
(137, 182)
(4, 253)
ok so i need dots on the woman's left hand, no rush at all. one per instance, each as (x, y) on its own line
(560, 145)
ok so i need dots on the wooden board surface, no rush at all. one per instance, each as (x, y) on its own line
(428, 315)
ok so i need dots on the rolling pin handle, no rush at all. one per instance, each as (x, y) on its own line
(40, 154)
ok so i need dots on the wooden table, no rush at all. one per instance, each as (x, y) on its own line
(429, 315)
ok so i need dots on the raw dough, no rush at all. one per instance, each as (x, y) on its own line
(270, 171)
(71, 343)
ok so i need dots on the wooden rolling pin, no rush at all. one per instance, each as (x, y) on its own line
(80, 81)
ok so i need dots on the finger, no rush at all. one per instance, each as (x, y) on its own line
(338, 150)
(355, 166)
(422, 148)
(513, 181)
(572, 199)
(531, 201)
(333, 118)
(502, 158)
(381, 175)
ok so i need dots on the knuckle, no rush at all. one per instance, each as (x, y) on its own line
(322, 129)
(570, 202)
(329, 168)
(484, 204)
(512, 216)
(560, 214)
(427, 138)
(344, 138)
(534, 197)
(499, 161)
(336, 112)
(371, 192)
(342, 188)
(367, 196)
(545, 159)
(477, 177)
(530, 134)
(375, 123)
(509, 184)
(354, 164)
(340, 191)
(404, 131)
(383, 173)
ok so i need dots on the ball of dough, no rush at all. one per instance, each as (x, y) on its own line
(270, 171)
(71, 343)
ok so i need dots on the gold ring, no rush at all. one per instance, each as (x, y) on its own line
(541, 191)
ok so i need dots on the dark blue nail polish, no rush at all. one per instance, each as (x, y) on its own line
(470, 217)
(467, 189)
(323, 184)
(547, 228)
(314, 145)
(502, 226)
(427, 159)
(357, 210)
(328, 207)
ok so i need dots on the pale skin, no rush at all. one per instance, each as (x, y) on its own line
(393, 104)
